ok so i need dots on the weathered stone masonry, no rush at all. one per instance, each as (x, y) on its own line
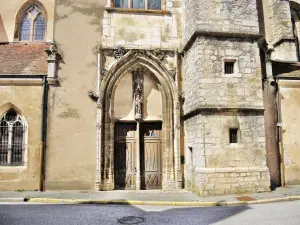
(215, 101)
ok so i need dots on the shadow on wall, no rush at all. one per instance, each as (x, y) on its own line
(3, 35)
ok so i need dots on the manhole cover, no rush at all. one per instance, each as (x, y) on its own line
(131, 220)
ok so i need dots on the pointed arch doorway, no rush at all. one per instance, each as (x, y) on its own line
(139, 119)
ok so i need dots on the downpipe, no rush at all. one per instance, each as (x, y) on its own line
(43, 146)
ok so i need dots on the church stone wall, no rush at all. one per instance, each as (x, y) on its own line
(220, 16)
(280, 34)
(206, 85)
(219, 167)
(28, 100)
(138, 30)
(71, 151)
(290, 94)
(215, 101)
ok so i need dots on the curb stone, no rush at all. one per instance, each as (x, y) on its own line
(160, 203)
(12, 199)
(153, 203)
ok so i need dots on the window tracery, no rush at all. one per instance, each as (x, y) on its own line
(32, 23)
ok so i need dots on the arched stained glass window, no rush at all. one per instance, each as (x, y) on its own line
(25, 28)
(39, 28)
(33, 24)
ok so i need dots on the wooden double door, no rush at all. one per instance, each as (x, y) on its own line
(125, 155)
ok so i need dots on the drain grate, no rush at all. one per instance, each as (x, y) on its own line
(131, 220)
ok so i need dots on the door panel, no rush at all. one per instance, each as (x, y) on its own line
(151, 156)
(125, 168)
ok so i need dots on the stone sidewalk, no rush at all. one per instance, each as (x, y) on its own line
(153, 197)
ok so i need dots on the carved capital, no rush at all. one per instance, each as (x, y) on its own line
(120, 52)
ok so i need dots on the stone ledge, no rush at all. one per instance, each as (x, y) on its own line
(208, 33)
(212, 110)
(140, 11)
(231, 170)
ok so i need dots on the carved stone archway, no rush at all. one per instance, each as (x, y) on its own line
(127, 63)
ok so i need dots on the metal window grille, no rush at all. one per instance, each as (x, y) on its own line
(138, 4)
(229, 67)
(121, 3)
(39, 28)
(154, 4)
(25, 28)
(233, 135)
(12, 133)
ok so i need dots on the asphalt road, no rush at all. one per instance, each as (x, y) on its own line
(42, 214)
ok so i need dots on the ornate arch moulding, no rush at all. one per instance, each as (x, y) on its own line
(157, 55)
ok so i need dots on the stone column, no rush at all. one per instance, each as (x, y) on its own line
(177, 166)
(177, 126)
(271, 131)
(99, 147)
(138, 158)
(99, 126)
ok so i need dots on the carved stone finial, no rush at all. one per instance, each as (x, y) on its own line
(159, 54)
(120, 52)
(52, 52)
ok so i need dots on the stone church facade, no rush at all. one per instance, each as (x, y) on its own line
(149, 94)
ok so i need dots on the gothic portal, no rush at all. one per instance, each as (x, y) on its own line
(139, 147)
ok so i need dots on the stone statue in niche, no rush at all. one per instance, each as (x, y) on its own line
(138, 105)
(138, 93)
